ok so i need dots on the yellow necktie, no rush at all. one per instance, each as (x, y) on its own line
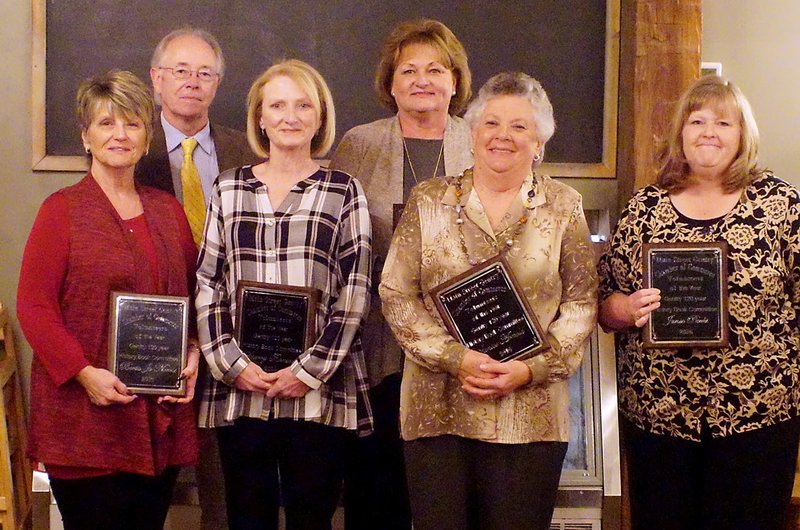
(194, 204)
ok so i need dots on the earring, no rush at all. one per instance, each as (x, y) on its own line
(471, 151)
(88, 151)
(392, 93)
(537, 157)
(454, 92)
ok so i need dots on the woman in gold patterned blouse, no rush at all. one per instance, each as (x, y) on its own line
(711, 434)
(485, 440)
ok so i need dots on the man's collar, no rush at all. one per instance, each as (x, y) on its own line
(174, 137)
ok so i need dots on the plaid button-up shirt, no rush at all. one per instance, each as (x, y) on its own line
(320, 237)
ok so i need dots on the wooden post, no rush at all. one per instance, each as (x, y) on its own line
(659, 58)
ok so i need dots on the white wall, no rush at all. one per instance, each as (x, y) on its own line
(758, 44)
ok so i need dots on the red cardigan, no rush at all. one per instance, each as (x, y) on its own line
(78, 252)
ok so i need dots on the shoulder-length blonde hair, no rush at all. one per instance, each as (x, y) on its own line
(673, 168)
(312, 83)
(434, 34)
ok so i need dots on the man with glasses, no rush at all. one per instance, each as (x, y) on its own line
(186, 154)
(186, 69)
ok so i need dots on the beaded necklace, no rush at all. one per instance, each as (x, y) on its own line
(517, 228)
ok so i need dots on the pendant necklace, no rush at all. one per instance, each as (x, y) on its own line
(517, 228)
(411, 164)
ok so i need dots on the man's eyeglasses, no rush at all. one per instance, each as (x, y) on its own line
(182, 73)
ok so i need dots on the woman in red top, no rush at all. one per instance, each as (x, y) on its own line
(112, 456)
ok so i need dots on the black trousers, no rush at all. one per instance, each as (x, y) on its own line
(375, 489)
(743, 481)
(460, 484)
(298, 462)
(120, 501)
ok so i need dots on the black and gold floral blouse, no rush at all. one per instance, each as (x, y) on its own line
(755, 381)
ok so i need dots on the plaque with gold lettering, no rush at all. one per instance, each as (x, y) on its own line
(147, 343)
(485, 310)
(275, 323)
(693, 279)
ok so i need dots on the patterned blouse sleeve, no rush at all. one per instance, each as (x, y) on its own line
(791, 248)
(577, 313)
(352, 263)
(616, 267)
(423, 339)
(214, 323)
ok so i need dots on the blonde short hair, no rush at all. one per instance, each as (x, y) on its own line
(673, 168)
(437, 35)
(122, 92)
(312, 83)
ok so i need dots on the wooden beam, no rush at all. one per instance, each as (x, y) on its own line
(659, 58)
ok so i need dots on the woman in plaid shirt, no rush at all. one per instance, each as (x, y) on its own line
(286, 221)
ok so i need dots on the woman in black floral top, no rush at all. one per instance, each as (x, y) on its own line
(711, 434)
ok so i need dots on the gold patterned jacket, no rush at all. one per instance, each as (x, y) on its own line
(551, 257)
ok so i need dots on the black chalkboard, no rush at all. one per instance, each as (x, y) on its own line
(693, 280)
(485, 310)
(147, 344)
(561, 43)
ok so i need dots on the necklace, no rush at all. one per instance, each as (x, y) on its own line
(517, 227)
(411, 164)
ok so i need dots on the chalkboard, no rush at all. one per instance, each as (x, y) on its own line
(570, 46)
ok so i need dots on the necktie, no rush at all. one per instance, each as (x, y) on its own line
(194, 204)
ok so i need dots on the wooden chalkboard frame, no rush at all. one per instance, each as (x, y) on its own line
(41, 160)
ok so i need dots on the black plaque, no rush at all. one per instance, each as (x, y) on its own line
(693, 279)
(275, 323)
(147, 344)
(485, 310)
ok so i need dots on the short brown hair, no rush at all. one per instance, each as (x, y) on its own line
(122, 91)
(673, 170)
(317, 90)
(437, 35)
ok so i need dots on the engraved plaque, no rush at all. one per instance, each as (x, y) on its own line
(147, 343)
(485, 310)
(693, 279)
(275, 323)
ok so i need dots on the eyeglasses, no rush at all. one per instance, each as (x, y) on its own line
(181, 73)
